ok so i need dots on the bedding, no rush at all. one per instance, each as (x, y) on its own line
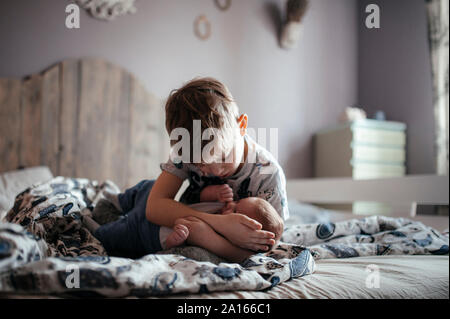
(51, 213)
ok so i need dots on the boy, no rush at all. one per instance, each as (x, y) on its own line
(237, 169)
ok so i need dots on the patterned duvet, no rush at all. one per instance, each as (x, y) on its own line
(45, 249)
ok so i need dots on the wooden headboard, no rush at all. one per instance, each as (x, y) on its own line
(82, 118)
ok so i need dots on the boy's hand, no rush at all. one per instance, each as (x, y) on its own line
(244, 232)
(222, 193)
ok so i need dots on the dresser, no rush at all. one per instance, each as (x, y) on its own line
(364, 149)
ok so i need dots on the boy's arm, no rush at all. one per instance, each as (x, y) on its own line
(163, 210)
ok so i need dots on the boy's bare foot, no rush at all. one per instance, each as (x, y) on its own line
(177, 237)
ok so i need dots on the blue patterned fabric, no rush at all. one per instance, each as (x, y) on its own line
(371, 236)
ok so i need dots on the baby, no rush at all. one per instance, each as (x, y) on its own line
(200, 234)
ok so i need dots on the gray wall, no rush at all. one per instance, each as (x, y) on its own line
(395, 75)
(298, 91)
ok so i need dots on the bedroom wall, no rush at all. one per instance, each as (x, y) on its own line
(395, 75)
(298, 91)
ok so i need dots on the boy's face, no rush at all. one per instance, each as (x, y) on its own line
(230, 161)
(224, 168)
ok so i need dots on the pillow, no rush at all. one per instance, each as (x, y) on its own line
(14, 182)
(4, 203)
(4, 206)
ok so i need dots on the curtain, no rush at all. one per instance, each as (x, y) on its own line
(438, 11)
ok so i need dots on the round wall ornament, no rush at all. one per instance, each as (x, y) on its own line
(202, 27)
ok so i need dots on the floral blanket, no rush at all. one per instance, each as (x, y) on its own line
(45, 249)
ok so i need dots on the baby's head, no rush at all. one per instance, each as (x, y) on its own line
(261, 211)
(220, 128)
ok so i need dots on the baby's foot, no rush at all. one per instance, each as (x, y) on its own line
(177, 237)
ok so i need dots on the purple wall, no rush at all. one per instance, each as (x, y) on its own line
(395, 75)
(298, 91)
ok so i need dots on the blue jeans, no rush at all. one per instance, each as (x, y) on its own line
(131, 236)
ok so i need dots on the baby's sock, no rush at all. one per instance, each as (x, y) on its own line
(105, 212)
(114, 199)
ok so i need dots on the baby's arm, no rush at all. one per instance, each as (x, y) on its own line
(163, 210)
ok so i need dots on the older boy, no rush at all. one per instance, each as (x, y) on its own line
(239, 168)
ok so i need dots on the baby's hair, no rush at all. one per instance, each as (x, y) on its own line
(204, 99)
(269, 218)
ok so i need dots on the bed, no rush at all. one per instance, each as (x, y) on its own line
(63, 122)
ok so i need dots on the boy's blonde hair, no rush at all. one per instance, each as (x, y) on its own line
(207, 100)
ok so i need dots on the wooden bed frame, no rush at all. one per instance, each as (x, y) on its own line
(82, 118)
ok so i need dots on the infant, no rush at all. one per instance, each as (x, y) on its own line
(253, 207)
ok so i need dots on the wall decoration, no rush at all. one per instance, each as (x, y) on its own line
(107, 9)
(202, 27)
(291, 32)
(223, 4)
